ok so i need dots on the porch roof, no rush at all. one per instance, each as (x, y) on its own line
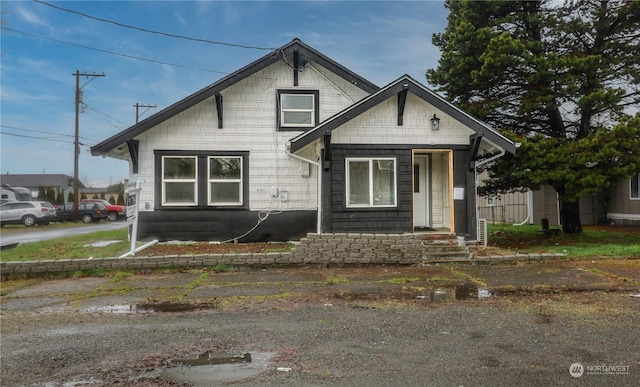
(395, 88)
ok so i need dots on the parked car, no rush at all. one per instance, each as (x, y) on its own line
(89, 212)
(113, 211)
(27, 213)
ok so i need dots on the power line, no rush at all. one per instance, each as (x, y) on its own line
(43, 132)
(154, 32)
(112, 52)
(43, 138)
(103, 117)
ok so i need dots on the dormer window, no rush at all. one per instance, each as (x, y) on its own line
(297, 109)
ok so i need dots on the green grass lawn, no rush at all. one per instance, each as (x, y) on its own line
(78, 246)
(594, 241)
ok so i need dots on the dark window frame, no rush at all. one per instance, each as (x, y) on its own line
(202, 178)
(316, 109)
(634, 187)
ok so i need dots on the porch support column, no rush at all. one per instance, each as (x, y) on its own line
(327, 183)
(464, 209)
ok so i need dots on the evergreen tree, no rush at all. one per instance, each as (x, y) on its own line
(83, 196)
(71, 197)
(50, 195)
(41, 193)
(560, 79)
(120, 201)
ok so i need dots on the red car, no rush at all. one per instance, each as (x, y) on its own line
(113, 211)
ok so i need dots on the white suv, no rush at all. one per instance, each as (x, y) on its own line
(27, 213)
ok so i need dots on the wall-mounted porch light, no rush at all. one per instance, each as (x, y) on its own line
(435, 123)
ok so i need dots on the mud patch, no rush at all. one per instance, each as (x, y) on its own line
(175, 306)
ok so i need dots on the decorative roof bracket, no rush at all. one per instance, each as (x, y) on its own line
(475, 140)
(218, 97)
(402, 99)
(134, 148)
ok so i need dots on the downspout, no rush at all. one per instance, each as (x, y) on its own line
(319, 190)
(478, 164)
(529, 209)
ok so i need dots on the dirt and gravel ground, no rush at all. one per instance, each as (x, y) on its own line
(457, 325)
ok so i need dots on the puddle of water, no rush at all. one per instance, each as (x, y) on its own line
(209, 358)
(101, 244)
(116, 309)
(458, 293)
(216, 367)
(151, 307)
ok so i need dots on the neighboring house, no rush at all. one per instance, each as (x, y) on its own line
(62, 184)
(619, 205)
(100, 193)
(623, 202)
(295, 143)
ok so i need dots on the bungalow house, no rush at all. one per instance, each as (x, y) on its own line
(296, 143)
(60, 183)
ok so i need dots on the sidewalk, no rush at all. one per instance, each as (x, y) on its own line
(366, 282)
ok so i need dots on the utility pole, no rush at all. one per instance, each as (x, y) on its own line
(138, 105)
(76, 184)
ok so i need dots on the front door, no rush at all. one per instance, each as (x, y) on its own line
(421, 188)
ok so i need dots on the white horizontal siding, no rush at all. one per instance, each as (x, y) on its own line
(379, 125)
(249, 117)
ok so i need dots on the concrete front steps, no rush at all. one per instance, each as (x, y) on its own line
(444, 247)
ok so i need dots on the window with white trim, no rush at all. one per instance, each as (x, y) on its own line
(202, 179)
(635, 187)
(490, 200)
(225, 180)
(297, 109)
(371, 182)
(179, 181)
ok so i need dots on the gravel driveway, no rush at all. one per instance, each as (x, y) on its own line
(499, 325)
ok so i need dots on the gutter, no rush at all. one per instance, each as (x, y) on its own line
(319, 190)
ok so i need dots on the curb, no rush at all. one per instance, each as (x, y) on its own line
(28, 269)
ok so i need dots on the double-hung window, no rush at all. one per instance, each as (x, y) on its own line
(297, 109)
(225, 180)
(179, 181)
(635, 187)
(371, 182)
(202, 179)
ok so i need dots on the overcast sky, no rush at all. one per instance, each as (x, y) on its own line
(43, 46)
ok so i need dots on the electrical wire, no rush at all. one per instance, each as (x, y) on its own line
(103, 117)
(112, 52)
(155, 32)
(44, 139)
(43, 132)
(261, 218)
